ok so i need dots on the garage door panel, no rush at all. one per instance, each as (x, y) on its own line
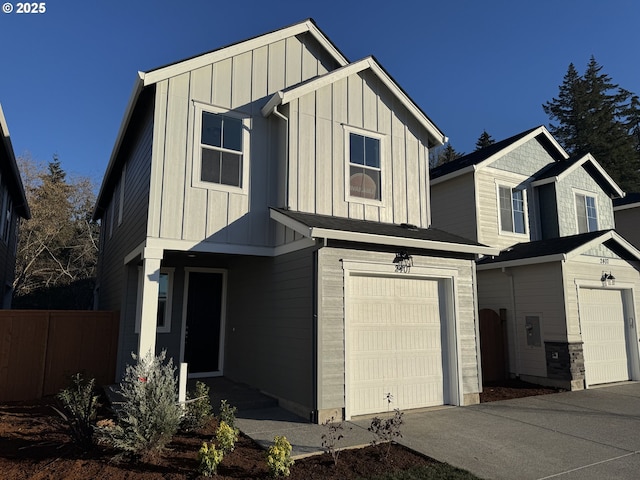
(393, 344)
(604, 336)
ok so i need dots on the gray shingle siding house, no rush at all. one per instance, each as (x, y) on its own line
(13, 205)
(558, 304)
(266, 217)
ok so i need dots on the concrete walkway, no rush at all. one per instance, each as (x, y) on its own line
(590, 434)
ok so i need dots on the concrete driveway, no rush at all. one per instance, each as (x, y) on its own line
(590, 434)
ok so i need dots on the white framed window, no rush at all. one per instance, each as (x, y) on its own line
(364, 160)
(512, 206)
(165, 291)
(221, 159)
(586, 212)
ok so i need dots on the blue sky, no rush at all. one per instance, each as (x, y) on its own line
(66, 75)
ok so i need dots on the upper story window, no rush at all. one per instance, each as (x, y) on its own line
(586, 213)
(364, 168)
(223, 144)
(512, 204)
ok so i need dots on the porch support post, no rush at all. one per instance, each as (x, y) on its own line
(148, 312)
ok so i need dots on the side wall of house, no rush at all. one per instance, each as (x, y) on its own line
(183, 208)
(453, 206)
(8, 240)
(628, 225)
(320, 125)
(331, 318)
(117, 281)
(580, 181)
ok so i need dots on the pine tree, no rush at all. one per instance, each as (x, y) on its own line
(484, 140)
(443, 155)
(596, 116)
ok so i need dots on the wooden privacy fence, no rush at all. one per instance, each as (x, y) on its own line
(41, 349)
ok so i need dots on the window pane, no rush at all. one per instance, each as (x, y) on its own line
(163, 285)
(232, 134)
(592, 214)
(581, 214)
(372, 152)
(356, 149)
(364, 183)
(506, 220)
(210, 171)
(162, 306)
(518, 211)
(231, 169)
(211, 129)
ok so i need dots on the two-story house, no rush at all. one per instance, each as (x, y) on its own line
(13, 205)
(558, 305)
(266, 217)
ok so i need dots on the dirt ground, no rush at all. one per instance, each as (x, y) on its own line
(34, 445)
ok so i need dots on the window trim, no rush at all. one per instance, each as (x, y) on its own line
(348, 130)
(166, 328)
(585, 194)
(525, 202)
(199, 110)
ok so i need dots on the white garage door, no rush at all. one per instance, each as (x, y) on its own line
(393, 344)
(603, 334)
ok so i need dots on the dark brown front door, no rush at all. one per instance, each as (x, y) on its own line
(492, 346)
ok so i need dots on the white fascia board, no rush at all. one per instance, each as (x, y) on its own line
(544, 181)
(208, 247)
(603, 172)
(523, 261)
(124, 125)
(611, 235)
(289, 222)
(626, 207)
(454, 174)
(400, 241)
(3, 124)
(243, 47)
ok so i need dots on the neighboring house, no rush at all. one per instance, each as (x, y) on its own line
(13, 204)
(266, 217)
(627, 214)
(558, 305)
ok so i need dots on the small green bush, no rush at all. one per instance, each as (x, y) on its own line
(79, 410)
(227, 413)
(149, 415)
(209, 459)
(279, 457)
(226, 436)
(197, 408)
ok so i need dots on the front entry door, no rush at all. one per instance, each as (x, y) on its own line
(204, 329)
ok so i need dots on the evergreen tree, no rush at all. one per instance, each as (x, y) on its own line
(442, 155)
(484, 140)
(596, 116)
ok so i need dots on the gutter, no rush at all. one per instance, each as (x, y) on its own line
(278, 114)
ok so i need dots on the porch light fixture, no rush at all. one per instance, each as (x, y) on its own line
(607, 279)
(403, 261)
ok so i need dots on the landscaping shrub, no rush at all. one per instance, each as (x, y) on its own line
(226, 436)
(227, 414)
(79, 409)
(197, 408)
(149, 415)
(331, 438)
(209, 459)
(387, 430)
(279, 457)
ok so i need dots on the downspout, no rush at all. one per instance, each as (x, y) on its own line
(277, 113)
(514, 324)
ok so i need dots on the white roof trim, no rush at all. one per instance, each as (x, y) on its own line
(369, 63)
(184, 66)
(315, 232)
(587, 158)
(626, 207)
(610, 235)
(523, 261)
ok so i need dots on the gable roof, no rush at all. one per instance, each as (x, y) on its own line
(557, 171)
(10, 171)
(364, 231)
(560, 248)
(285, 96)
(146, 81)
(485, 156)
(630, 200)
